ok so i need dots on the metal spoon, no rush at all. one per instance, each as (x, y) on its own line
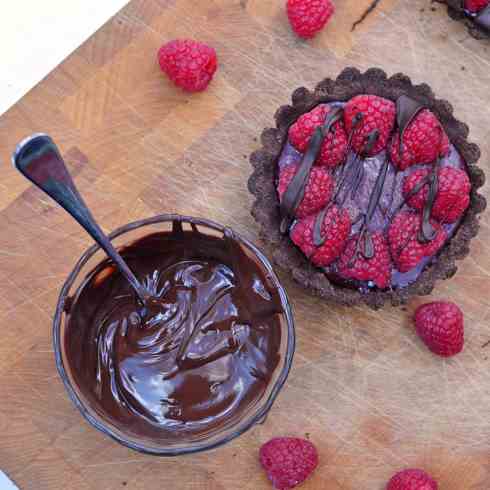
(39, 160)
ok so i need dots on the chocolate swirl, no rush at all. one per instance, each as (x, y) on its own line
(197, 357)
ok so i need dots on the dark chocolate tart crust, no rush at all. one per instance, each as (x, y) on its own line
(261, 184)
(478, 24)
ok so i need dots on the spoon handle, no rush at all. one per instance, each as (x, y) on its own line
(40, 161)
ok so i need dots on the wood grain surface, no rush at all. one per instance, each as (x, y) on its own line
(363, 388)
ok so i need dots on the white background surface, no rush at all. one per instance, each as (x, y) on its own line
(35, 36)
(5, 483)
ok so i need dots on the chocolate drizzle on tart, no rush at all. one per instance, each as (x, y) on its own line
(406, 111)
(427, 232)
(296, 189)
(411, 100)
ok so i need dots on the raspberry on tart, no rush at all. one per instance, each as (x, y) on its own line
(453, 196)
(353, 264)
(423, 140)
(408, 246)
(317, 193)
(334, 147)
(366, 115)
(475, 6)
(335, 230)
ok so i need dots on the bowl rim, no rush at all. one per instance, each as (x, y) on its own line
(257, 417)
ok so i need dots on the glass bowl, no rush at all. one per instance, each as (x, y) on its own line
(252, 414)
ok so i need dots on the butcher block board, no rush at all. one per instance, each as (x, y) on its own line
(363, 388)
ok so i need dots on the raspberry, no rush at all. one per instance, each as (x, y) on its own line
(475, 5)
(406, 250)
(377, 114)
(453, 196)
(318, 191)
(288, 461)
(189, 64)
(307, 17)
(440, 325)
(334, 147)
(412, 479)
(376, 269)
(336, 228)
(423, 141)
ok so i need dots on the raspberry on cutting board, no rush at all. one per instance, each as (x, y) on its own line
(412, 479)
(288, 461)
(441, 326)
(189, 64)
(308, 17)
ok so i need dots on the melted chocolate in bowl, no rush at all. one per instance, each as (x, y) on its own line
(196, 360)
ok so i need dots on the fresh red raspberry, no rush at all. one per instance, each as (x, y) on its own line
(318, 191)
(336, 228)
(189, 64)
(412, 479)
(423, 141)
(440, 325)
(377, 114)
(288, 461)
(334, 147)
(406, 250)
(453, 196)
(376, 269)
(475, 5)
(308, 17)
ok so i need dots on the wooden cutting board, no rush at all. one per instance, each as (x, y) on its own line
(363, 388)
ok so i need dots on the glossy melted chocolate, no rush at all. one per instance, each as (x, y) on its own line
(199, 355)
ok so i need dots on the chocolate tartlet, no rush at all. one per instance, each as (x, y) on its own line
(474, 13)
(367, 189)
